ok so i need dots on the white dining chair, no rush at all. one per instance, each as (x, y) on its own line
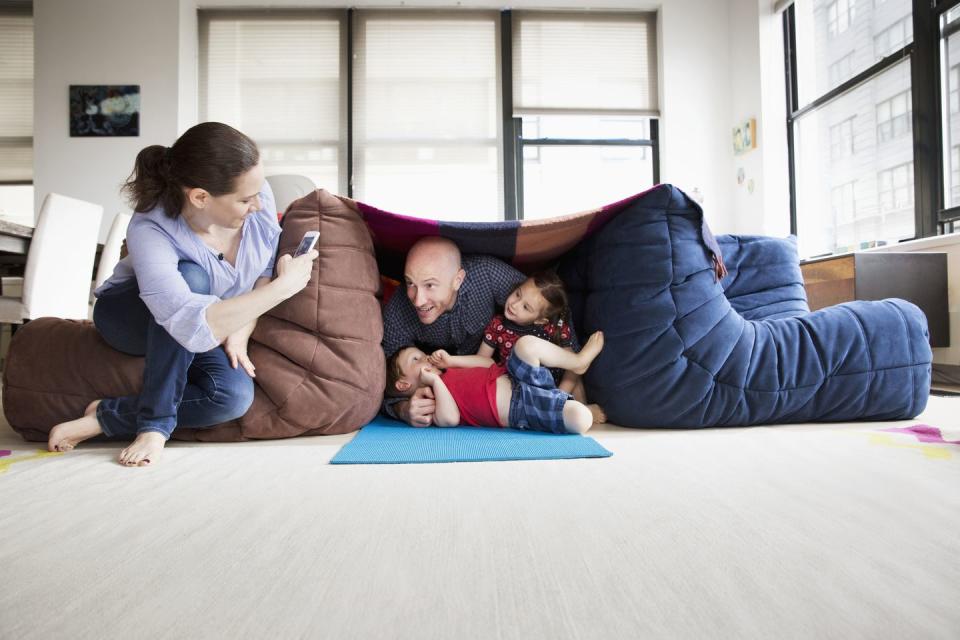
(110, 255)
(288, 187)
(56, 281)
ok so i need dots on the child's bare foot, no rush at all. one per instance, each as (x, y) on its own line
(67, 435)
(143, 451)
(590, 350)
(598, 413)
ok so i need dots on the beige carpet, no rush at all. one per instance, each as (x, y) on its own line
(812, 531)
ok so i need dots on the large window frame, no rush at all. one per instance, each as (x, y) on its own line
(512, 136)
(931, 218)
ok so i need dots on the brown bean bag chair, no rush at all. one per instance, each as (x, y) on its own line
(320, 368)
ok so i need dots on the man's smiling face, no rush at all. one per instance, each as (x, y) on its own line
(432, 278)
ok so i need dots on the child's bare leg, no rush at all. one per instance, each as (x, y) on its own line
(66, 435)
(580, 395)
(577, 418)
(537, 352)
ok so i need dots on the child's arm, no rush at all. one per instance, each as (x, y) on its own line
(444, 360)
(447, 413)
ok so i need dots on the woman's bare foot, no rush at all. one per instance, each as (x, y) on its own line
(143, 451)
(598, 413)
(66, 435)
(590, 350)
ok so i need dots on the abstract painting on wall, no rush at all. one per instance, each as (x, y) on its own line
(104, 110)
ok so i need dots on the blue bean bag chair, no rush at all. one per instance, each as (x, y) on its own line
(687, 349)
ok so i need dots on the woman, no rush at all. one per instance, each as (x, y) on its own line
(202, 247)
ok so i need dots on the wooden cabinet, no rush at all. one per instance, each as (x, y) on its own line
(920, 278)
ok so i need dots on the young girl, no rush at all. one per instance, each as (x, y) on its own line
(537, 307)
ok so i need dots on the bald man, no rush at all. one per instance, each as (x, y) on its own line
(449, 301)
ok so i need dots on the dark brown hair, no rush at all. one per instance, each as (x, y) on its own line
(210, 156)
(552, 290)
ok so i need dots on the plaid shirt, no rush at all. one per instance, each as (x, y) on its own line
(459, 330)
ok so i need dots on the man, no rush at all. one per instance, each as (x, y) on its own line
(449, 301)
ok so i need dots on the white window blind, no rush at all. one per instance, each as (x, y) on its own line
(569, 63)
(426, 114)
(279, 77)
(16, 97)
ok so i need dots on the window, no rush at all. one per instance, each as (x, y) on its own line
(840, 15)
(954, 176)
(893, 37)
(894, 117)
(426, 125)
(584, 92)
(843, 203)
(840, 70)
(16, 116)
(841, 139)
(950, 119)
(277, 77)
(426, 113)
(895, 188)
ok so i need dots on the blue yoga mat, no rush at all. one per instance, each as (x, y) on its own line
(386, 441)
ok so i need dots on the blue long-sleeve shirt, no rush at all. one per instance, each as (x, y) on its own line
(157, 243)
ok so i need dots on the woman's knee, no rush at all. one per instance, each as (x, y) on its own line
(196, 278)
(235, 398)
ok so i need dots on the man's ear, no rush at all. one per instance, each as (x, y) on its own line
(458, 279)
(402, 385)
(198, 197)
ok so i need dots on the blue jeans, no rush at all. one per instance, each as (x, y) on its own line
(180, 388)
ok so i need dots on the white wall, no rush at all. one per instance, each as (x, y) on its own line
(104, 42)
(153, 43)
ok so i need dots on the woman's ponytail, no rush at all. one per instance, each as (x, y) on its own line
(150, 184)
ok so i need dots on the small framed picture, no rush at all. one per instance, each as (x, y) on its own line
(745, 136)
(104, 110)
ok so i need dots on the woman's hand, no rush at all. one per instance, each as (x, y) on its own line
(293, 274)
(236, 347)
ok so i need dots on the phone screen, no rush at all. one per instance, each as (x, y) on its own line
(305, 245)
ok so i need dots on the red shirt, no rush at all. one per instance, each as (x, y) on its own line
(475, 391)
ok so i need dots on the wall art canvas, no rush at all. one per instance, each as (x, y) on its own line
(745, 136)
(104, 110)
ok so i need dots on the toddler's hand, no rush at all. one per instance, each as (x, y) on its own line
(440, 358)
(429, 375)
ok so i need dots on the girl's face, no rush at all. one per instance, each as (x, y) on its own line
(526, 305)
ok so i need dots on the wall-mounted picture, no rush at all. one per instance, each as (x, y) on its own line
(745, 136)
(104, 110)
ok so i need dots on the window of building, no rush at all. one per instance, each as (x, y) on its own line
(840, 70)
(954, 185)
(841, 139)
(895, 117)
(16, 115)
(840, 15)
(895, 188)
(893, 37)
(843, 202)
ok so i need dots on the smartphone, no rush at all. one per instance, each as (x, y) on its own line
(309, 242)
